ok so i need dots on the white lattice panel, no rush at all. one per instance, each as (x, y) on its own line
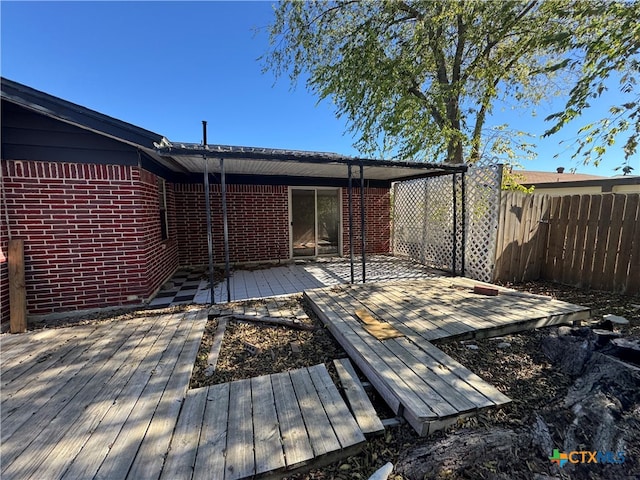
(427, 211)
(409, 219)
(482, 182)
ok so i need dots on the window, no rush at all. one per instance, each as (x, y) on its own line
(162, 200)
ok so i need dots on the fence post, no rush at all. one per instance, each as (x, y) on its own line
(17, 291)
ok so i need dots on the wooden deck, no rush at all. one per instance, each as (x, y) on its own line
(416, 379)
(264, 425)
(110, 401)
(95, 401)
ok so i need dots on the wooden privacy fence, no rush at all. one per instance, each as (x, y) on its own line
(590, 241)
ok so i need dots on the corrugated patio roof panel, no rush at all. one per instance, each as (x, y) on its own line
(296, 163)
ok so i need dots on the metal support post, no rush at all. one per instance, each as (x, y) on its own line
(225, 227)
(464, 223)
(350, 192)
(207, 203)
(455, 226)
(362, 224)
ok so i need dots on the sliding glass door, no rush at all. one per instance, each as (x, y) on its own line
(315, 221)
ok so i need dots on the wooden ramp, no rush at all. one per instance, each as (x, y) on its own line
(262, 426)
(416, 379)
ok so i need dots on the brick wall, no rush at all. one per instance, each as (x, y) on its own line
(160, 257)
(4, 270)
(377, 220)
(91, 234)
(259, 222)
(258, 219)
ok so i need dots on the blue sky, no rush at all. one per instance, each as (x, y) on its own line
(165, 66)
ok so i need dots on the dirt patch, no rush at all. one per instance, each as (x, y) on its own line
(249, 350)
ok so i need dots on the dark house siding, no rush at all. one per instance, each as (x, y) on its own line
(27, 135)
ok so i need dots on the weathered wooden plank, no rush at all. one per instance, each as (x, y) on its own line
(99, 444)
(210, 458)
(508, 307)
(542, 236)
(516, 231)
(74, 440)
(602, 236)
(295, 439)
(411, 390)
(495, 312)
(522, 246)
(321, 435)
(60, 415)
(14, 347)
(216, 346)
(469, 377)
(574, 273)
(617, 214)
(431, 370)
(473, 310)
(360, 404)
(632, 284)
(591, 229)
(521, 313)
(570, 241)
(370, 363)
(561, 226)
(152, 452)
(379, 329)
(39, 383)
(344, 425)
(435, 313)
(400, 310)
(124, 449)
(260, 319)
(526, 234)
(501, 249)
(458, 321)
(29, 422)
(630, 229)
(181, 458)
(269, 455)
(34, 353)
(536, 239)
(421, 403)
(240, 461)
(555, 243)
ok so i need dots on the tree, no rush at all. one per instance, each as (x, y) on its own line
(606, 41)
(420, 78)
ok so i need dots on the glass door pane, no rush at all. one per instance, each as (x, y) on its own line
(328, 222)
(303, 222)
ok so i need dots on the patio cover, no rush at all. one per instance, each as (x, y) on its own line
(295, 163)
(270, 162)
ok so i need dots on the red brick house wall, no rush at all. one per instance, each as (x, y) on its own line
(258, 219)
(91, 234)
(377, 212)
